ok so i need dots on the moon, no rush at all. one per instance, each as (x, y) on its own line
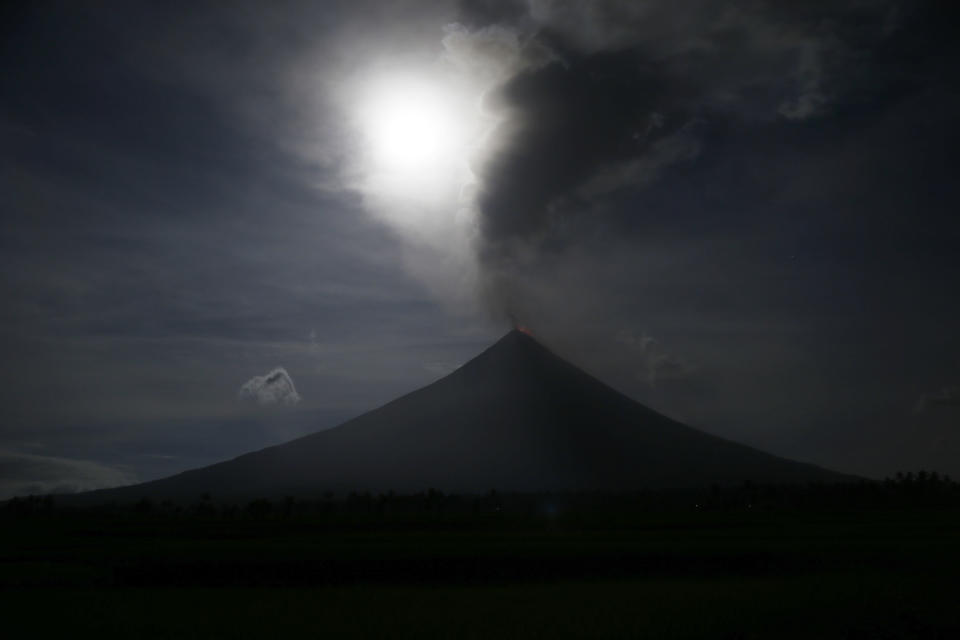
(411, 125)
(417, 131)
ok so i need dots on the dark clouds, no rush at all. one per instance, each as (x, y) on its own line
(630, 86)
(562, 122)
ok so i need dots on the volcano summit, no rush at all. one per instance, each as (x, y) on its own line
(515, 418)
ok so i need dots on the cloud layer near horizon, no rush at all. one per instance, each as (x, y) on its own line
(23, 474)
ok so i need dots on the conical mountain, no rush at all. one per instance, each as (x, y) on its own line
(515, 418)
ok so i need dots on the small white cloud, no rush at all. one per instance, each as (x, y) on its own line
(274, 388)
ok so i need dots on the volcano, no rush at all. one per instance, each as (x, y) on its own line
(515, 418)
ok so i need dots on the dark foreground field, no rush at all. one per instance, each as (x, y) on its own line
(858, 566)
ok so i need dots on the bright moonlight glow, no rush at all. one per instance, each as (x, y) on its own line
(416, 132)
(412, 127)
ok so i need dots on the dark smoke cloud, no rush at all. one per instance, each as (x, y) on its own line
(621, 102)
(562, 123)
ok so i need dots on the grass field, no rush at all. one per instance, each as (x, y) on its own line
(871, 573)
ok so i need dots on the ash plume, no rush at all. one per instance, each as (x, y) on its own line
(622, 97)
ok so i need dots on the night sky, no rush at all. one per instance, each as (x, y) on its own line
(225, 225)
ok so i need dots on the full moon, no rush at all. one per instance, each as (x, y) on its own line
(411, 126)
(416, 131)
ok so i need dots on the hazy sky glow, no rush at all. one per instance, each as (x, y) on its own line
(741, 214)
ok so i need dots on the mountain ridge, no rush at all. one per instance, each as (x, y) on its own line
(516, 417)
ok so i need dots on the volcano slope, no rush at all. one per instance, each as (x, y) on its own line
(515, 418)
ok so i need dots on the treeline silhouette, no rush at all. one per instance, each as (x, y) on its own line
(897, 525)
(920, 489)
